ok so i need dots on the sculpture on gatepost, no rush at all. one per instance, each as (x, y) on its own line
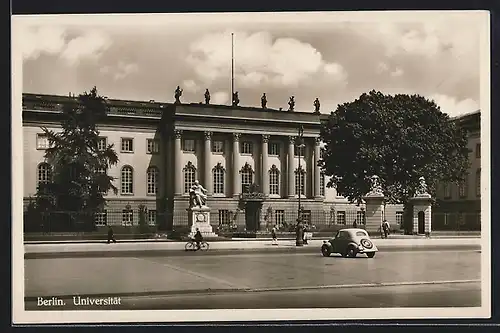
(291, 103)
(197, 195)
(375, 185)
(316, 105)
(207, 97)
(236, 99)
(263, 101)
(422, 187)
(177, 95)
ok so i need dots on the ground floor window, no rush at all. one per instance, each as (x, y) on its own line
(152, 217)
(341, 217)
(101, 218)
(127, 217)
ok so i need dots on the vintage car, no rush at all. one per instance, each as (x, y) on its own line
(348, 243)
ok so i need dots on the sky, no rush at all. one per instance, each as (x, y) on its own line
(331, 56)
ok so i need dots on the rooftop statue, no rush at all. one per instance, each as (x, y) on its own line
(291, 103)
(207, 97)
(422, 187)
(316, 105)
(178, 94)
(236, 99)
(263, 101)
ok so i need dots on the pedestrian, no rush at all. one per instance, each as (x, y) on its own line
(304, 234)
(355, 224)
(386, 227)
(111, 235)
(273, 234)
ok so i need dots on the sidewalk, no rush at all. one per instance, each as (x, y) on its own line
(144, 248)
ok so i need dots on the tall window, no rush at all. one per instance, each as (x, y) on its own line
(189, 176)
(217, 146)
(274, 181)
(246, 177)
(102, 171)
(478, 183)
(44, 173)
(273, 149)
(462, 188)
(188, 145)
(127, 217)
(341, 217)
(152, 180)
(300, 178)
(127, 145)
(322, 184)
(101, 218)
(447, 190)
(247, 147)
(102, 143)
(399, 218)
(360, 217)
(152, 217)
(218, 178)
(42, 141)
(127, 180)
(153, 146)
(279, 217)
(224, 217)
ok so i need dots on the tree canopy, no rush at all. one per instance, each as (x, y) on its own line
(398, 138)
(79, 161)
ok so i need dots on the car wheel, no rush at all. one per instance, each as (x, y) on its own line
(351, 252)
(370, 254)
(325, 251)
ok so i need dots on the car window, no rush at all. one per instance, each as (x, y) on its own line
(360, 233)
(344, 234)
(337, 234)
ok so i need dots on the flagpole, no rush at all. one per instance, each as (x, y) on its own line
(232, 65)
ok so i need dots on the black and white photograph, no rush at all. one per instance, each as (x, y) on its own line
(222, 167)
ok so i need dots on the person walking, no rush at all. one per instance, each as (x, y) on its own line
(273, 234)
(111, 235)
(386, 227)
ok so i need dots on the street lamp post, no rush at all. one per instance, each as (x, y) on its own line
(299, 145)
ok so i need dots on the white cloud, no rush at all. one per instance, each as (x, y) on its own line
(190, 86)
(258, 59)
(220, 97)
(382, 67)
(120, 70)
(397, 72)
(52, 40)
(336, 71)
(454, 107)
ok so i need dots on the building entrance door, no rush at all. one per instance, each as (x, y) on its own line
(421, 222)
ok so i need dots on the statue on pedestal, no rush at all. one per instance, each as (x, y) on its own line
(197, 195)
(236, 99)
(207, 97)
(291, 103)
(263, 101)
(178, 94)
(316, 105)
(422, 187)
(375, 186)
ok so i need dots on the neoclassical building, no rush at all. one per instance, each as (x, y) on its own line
(163, 148)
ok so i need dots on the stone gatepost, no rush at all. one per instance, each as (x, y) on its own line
(374, 201)
(422, 210)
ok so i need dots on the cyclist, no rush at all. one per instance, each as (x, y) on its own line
(198, 238)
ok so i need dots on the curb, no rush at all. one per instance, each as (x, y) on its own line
(220, 252)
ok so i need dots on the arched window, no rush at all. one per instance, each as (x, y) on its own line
(44, 171)
(478, 182)
(300, 178)
(152, 180)
(189, 176)
(246, 177)
(274, 180)
(218, 178)
(127, 180)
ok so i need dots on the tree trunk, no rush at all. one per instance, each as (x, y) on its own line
(408, 218)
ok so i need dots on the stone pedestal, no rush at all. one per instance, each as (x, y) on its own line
(422, 214)
(374, 211)
(199, 218)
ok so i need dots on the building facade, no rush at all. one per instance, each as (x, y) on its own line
(163, 148)
(458, 205)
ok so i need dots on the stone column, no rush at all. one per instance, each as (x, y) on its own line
(208, 155)
(178, 163)
(317, 171)
(265, 166)
(291, 167)
(236, 164)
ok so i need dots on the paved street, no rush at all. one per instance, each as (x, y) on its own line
(254, 280)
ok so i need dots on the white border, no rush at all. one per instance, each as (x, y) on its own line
(20, 316)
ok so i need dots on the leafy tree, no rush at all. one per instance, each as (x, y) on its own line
(79, 178)
(398, 138)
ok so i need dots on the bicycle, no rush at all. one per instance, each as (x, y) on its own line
(191, 246)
